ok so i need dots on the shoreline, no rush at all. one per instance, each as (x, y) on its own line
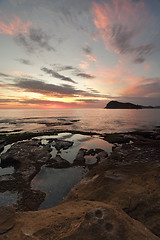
(125, 184)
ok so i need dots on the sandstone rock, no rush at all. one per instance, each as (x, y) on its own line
(107, 223)
(83, 220)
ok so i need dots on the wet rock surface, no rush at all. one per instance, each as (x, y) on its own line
(58, 162)
(80, 160)
(26, 157)
(61, 144)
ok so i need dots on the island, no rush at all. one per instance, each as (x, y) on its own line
(121, 105)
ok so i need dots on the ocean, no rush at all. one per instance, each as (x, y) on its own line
(92, 120)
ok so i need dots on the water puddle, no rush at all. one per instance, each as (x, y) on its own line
(79, 141)
(7, 170)
(8, 198)
(57, 183)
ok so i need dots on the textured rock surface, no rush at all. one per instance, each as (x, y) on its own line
(78, 220)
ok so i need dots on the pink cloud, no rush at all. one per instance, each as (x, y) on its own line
(84, 65)
(145, 87)
(91, 58)
(14, 26)
(119, 23)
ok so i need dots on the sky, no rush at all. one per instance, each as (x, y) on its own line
(79, 53)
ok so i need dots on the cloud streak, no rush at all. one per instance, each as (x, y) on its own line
(121, 24)
(57, 75)
(75, 71)
(85, 75)
(24, 61)
(52, 90)
(14, 26)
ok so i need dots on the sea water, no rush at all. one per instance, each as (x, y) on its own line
(97, 120)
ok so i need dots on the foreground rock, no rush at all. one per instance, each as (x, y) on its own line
(130, 180)
(77, 221)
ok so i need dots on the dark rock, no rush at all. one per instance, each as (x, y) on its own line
(26, 157)
(76, 120)
(101, 155)
(80, 160)
(61, 144)
(98, 150)
(30, 200)
(116, 138)
(90, 152)
(8, 183)
(58, 162)
(7, 219)
(8, 162)
(2, 144)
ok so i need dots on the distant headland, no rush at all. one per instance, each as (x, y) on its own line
(121, 105)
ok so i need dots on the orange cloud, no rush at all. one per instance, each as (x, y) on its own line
(14, 26)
